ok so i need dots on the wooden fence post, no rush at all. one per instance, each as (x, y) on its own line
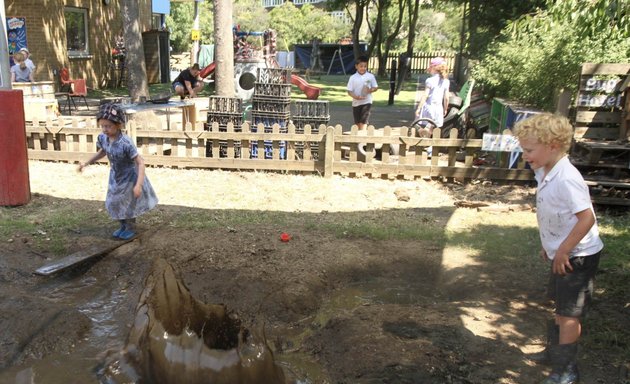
(330, 150)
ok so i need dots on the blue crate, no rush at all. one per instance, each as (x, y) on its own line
(268, 145)
(516, 113)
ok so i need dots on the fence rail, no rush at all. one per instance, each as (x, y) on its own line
(386, 153)
(418, 63)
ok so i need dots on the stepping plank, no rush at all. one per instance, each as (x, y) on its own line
(79, 257)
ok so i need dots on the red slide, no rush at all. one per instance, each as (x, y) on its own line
(311, 92)
(207, 70)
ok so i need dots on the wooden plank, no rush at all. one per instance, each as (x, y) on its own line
(605, 69)
(606, 145)
(610, 201)
(594, 83)
(608, 183)
(484, 173)
(596, 133)
(598, 117)
(331, 152)
(79, 257)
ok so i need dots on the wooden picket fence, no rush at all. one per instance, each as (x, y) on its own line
(418, 63)
(386, 153)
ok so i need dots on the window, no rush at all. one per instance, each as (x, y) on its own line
(76, 31)
(272, 3)
(156, 21)
(341, 16)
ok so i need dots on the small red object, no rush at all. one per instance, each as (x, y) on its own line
(284, 237)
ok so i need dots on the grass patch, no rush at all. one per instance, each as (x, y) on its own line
(46, 226)
(334, 90)
(199, 220)
(381, 231)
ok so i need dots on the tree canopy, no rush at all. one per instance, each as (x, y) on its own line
(540, 53)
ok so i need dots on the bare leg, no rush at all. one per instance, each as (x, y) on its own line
(570, 329)
(199, 87)
(179, 90)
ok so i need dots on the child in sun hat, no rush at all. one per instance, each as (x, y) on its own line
(436, 88)
(29, 63)
(129, 192)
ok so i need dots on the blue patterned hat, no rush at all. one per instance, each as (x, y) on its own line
(112, 112)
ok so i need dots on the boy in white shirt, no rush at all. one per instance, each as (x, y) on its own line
(569, 235)
(360, 87)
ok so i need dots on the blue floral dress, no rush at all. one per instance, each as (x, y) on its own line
(123, 173)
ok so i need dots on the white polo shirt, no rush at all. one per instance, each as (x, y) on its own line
(359, 84)
(560, 195)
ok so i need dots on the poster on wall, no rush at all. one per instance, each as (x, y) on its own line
(16, 35)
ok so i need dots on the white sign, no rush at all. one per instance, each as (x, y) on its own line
(500, 143)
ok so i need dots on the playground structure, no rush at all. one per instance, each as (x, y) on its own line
(253, 50)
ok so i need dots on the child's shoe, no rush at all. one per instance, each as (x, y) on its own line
(120, 230)
(127, 234)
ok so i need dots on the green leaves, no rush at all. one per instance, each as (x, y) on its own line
(540, 54)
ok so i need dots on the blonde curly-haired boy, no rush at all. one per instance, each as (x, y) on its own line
(569, 236)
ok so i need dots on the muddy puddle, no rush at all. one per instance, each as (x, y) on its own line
(175, 338)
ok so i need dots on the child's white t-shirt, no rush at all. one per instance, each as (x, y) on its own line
(560, 195)
(357, 84)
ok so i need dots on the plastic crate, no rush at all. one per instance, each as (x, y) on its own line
(274, 75)
(268, 147)
(311, 108)
(300, 122)
(222, 143)
(268, 144)
(223, 118)
(268, 89)
(225, 104)
(269, 118)
(498, 115)
(271, 104)
(516, 113)
(314, 122)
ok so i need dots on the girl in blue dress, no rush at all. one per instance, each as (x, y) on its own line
(129, 192)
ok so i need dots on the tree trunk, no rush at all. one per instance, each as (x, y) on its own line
(356, 28)
(389, 41)
(134, 60)
(224, 48)
(377, 31)
(414, 8)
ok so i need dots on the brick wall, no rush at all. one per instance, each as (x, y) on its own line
(46, 36)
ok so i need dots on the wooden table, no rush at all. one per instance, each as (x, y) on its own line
(189, 110)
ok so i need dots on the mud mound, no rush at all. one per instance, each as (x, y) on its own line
(177, 339)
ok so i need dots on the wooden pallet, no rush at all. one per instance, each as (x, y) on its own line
(80, 257)
(608, 192)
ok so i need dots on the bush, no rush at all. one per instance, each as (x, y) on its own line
(541, 54)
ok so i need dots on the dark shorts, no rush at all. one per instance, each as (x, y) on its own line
(361, 113)
(572, 292)
(178, 84)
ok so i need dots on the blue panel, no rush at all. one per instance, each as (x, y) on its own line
(162, 6)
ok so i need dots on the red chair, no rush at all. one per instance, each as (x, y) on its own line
(79, 89)
(73, 87)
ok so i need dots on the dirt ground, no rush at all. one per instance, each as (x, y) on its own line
(334, 307)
